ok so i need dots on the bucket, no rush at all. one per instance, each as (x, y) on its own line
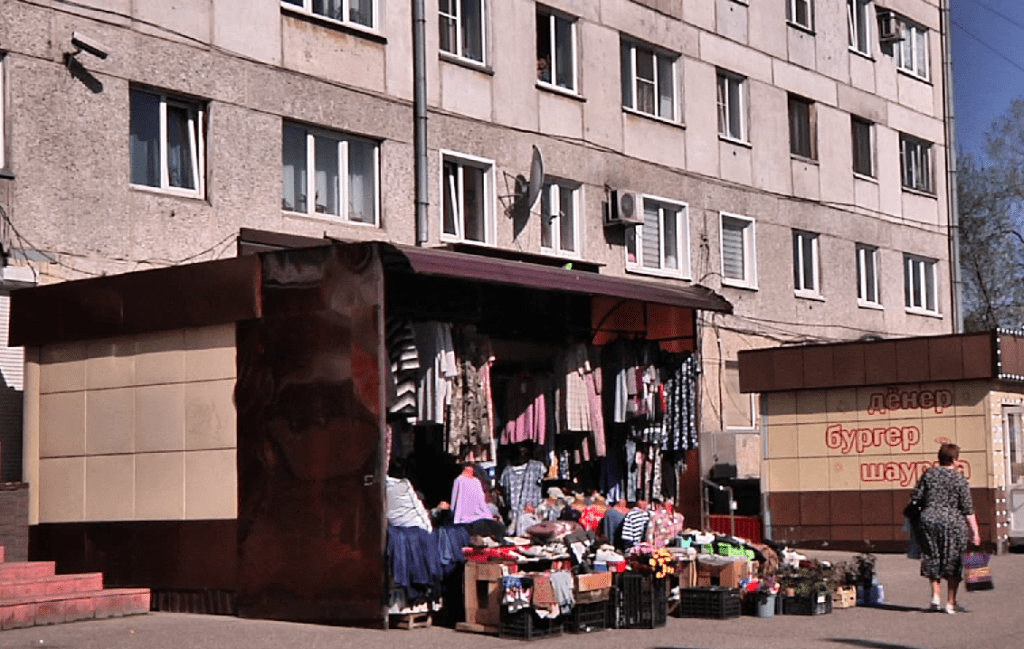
(767, 607)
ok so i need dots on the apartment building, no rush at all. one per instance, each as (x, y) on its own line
(789, 154)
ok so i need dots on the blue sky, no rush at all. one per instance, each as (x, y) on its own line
(988, 64)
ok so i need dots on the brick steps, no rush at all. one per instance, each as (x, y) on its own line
(29, 611)
(32, 594)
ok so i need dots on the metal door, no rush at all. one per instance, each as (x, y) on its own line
(1013, 430)
(310, 421)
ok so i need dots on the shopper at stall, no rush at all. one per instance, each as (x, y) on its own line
(666, 523)
(469, 506)
(946, 513)
(635, 525)
(404, 506)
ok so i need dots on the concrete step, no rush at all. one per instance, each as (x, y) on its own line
(22, 571)
(21, 612)
(52, 585)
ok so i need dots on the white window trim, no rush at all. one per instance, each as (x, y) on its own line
(922, 165)
(925, 265)
(460, 26)
(489, 201)
(863, 251)
(858, 16)
(749, 251)
(871, 148)
(815, 261)
(311, 133)
(682, 241)
(3, 109)
(555, 187)
(552, 15)
(910, 29)
(197, 144)
(307, 9)
(741, 82)
(791, 14)
(658, 54)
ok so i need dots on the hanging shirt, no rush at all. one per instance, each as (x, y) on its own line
(521, 485)
(468, 501)
(404, 506)
(574, 367)
(437, 370)
(526, 411)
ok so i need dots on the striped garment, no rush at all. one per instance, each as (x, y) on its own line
(634, 527)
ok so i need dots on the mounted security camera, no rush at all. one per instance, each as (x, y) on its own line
(85, 44)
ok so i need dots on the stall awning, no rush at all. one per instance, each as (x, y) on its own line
(445, 263)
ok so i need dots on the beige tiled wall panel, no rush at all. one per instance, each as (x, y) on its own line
(62, 424)
(210, 415)
(62, 489)
(110, 488)
(111, 364)
(117, 417)
(160, 417)
(211, 485)
(110, 421)
(972, 421)
(62, 368)
(160, 486)
(160, 358)
(210, 353)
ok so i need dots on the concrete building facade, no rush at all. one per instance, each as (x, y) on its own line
(790, 155)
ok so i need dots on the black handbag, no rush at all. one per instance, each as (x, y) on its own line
(913, 509)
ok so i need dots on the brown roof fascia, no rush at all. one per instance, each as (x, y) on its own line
(951, 357)
(445, 263)
(191, 295)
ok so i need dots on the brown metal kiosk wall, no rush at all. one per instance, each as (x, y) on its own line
(310, 416)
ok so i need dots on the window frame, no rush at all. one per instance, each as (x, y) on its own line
(658, 55)
(808, 121)
(306, 7)
(344, 139)
(748, 234)
(460, 27)
(197, 143)
(682, 211)
(553, 189)
(868, 283)
(488, 203)
(3, 110)
(910, 46)
(854, 121)
(553, 17)
(723, 104)
(799, 264)
(858, 17)
(919, 270)
(791, 14)
(917, 166)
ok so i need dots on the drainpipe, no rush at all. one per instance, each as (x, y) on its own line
(419, 103)
(955, 279)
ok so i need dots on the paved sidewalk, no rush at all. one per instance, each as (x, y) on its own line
(995, 621)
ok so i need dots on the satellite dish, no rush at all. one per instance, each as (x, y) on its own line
(528, 190)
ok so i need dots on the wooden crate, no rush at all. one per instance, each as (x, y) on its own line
(846, 597)
(410, 621)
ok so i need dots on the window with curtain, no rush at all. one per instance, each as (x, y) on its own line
(355, 12)
(330, 174)
(166, 143)
(738, 253)
(648, 80)
(661, 245)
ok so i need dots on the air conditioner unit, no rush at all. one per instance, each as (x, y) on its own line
(624, 209)
(890, 29)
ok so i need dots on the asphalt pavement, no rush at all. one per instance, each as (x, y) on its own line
(994, 620)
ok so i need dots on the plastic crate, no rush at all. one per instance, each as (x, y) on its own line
(819, 604)
(643, 601)
(587, 618)
(527, 625)
(714, 602)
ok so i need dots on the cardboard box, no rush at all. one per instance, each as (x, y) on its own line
(720, 571)
(543, 592)
(846, 597)
(482, 589)
(593, 581)
(686, 572)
